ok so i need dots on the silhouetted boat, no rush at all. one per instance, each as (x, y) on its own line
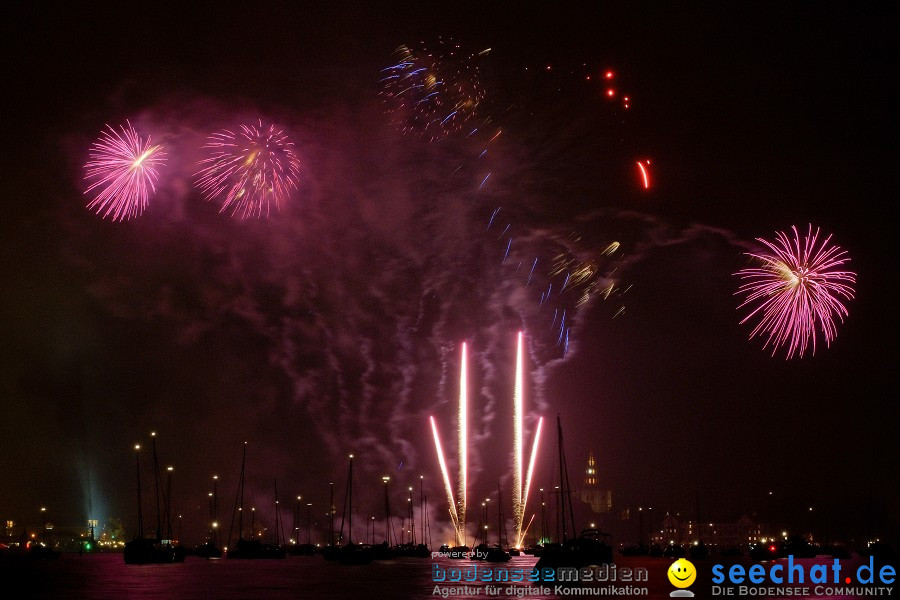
(296, 548)
(356, 554)
(497, 554)
(351, 554)
(409, 548)
(639, 550)
(330, 551)
(42, 551)
(383, 552)
(480, 551)
(208, 550)
(249, 549)
(142, 550)
(252, 548)
(301, 549)
(591, 547)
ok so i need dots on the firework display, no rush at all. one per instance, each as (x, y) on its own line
(454, 516)
(518, 415)
(458, 505)
(643, 168)
(521, 478)
(463, 439)
(563, 276)
(797, 288)
(249, 171)
(433, 92)
(457, 194)
(521, 481)
(122, 170)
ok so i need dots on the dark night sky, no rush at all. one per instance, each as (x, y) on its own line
(333, 326)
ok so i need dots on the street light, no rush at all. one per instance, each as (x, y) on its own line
(44, 523)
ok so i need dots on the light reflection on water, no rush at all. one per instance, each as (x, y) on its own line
(106, 576)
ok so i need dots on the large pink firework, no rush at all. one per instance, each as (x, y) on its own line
(250, 170)
(797, 288)
(122, 169)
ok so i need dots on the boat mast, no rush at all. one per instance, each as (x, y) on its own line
(568, 496)
(499, 518)
(168, 496)
(411, 521)
(562, 503)
(543, 519)
(564, 489)
(137, 461)
(331, 516)
(483, 525)
(388, 526)
(296, 524)
(348, 498)
(215, 508)
(422, 506)
(241, 494)
(428, 524)
(350, 503)
(277, 518)
(156, 481)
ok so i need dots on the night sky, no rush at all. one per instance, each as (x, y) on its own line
(334, 326)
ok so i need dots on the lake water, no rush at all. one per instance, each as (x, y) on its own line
(106, 576)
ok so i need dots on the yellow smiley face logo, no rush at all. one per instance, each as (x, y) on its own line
(682, 573)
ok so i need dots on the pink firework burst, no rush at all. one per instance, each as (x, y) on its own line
(250, 170)
(122, 171)
(798, 287)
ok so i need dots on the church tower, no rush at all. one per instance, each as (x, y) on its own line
(600, 500)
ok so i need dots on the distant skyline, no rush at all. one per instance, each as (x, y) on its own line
(333, 325)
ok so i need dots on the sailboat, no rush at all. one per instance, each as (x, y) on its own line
(143, 550)
(296, 548)
(591, 547)
(497, 554)
(331, 551)
(351, 554)
(386, 550)
(252, 548)
(210, 549)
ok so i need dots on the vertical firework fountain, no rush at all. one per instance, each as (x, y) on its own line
(521, 484)
(462, 426)
(457, 507)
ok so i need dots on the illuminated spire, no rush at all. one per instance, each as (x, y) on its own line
(590, 473)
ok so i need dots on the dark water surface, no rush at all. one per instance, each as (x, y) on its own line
(106, 576)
